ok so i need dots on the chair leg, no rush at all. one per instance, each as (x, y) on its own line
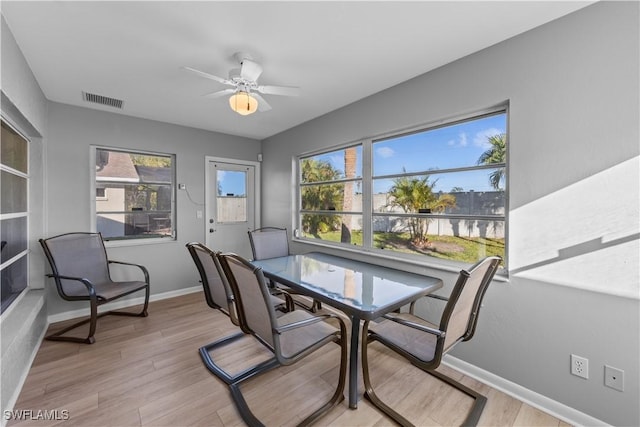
(338, 396)
(479, 400)
(92, 319)
(472, 418)
(142, 313)
(216, 370)
(368, 387)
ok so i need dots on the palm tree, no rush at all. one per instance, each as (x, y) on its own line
(320, 197)
(412, 194)
(496, 154)
(347, 204)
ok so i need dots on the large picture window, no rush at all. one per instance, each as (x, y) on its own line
(134, 194)
(438, 192)
(14, 214)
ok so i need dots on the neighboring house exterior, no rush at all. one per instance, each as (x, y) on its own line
(112, 170)
(131, 199)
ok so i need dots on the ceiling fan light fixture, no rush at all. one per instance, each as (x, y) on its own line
(243, 103)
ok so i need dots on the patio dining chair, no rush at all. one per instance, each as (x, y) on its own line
(273, 242)
(424, 344)
(219, 296)
(81, 271)
(290, 338)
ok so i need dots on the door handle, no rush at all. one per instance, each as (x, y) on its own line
(211, 230)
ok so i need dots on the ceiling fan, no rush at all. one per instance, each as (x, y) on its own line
(245, 91)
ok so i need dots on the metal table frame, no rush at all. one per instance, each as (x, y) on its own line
(372, 291)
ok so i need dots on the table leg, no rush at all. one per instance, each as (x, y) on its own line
(353, 362)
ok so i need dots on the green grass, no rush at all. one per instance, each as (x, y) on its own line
(463, 249)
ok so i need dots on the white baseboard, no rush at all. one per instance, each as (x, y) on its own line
(116, 305)
(531, 398)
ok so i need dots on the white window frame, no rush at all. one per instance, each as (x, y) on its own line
(367, 184)
(131, 241)
(23, 255)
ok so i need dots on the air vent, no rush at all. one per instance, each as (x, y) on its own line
(102, 100)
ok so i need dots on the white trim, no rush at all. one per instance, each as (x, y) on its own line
(257, 177)
(15, 258)
(138, 242)
(116, 179)
(14, 215)
(531, 398)
(67, 315)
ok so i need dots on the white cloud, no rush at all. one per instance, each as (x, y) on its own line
(337, 161)
(481, 137)
(221, 174)
(460, 142)
(385, 152)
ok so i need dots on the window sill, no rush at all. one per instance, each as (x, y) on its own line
(138, 242)
(501, 275)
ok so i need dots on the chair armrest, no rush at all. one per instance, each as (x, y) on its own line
(141, 267)
(414, 325)
(287, 297)
(86, 282)
(306, 322)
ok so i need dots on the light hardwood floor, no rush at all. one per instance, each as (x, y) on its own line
(147, 372)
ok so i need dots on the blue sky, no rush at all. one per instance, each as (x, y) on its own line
(452, 146)
(232, 182)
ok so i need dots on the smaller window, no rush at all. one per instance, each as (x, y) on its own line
(231, 202)
(134, 194)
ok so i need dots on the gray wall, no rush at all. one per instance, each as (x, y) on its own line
(24, 105)
(572, 86)
(71, 132)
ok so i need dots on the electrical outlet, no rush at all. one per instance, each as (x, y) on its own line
(614, 378)
(580, 366)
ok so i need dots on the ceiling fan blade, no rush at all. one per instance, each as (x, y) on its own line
(219, 93)
(250, 70)
(279, 90)
(209, 76)
(262, 104)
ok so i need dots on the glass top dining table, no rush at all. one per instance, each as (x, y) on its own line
(361, 290)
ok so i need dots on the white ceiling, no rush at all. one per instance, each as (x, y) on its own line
(336, 52)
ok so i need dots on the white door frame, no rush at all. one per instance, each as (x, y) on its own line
(207, 192)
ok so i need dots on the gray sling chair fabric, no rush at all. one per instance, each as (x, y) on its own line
(424, 344)
(273, 242)
(219, 296)
(290, 337)
(80, 268)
